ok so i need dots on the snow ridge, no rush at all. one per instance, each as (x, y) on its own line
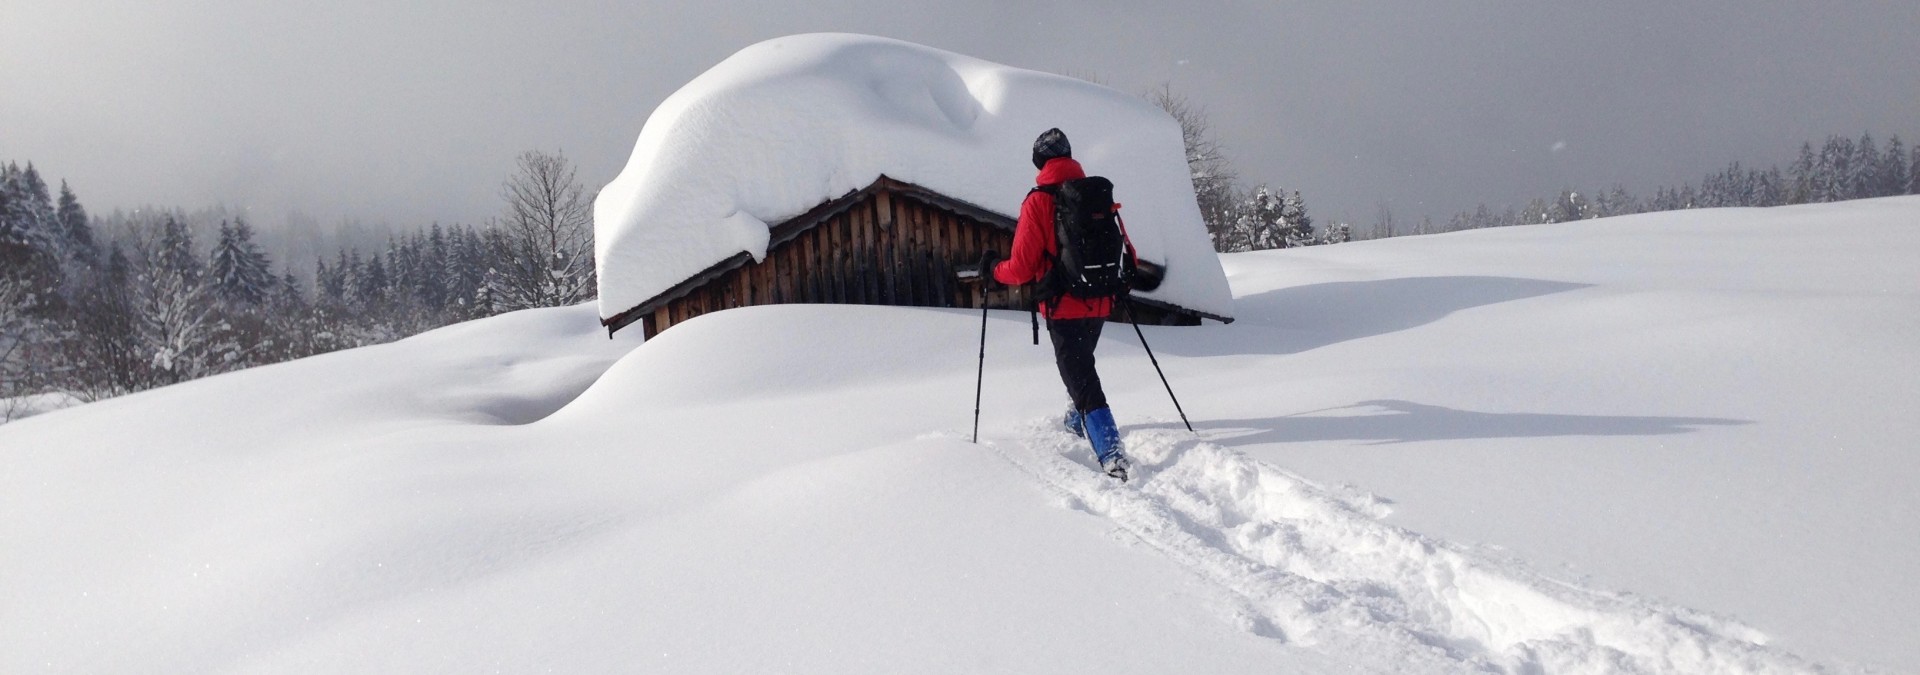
(1316, 566)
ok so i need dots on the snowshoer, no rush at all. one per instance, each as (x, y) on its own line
(1073, 322)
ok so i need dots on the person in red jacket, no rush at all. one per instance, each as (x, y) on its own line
(1073, 323)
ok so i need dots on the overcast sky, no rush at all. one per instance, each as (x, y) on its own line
(410, 112)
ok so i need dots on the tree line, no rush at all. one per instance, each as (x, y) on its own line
(97, 307)
(1841, 169)
(1239, 218)
(1262, 217)
(92, 308)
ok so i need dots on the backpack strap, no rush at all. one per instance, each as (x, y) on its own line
(1053, 258)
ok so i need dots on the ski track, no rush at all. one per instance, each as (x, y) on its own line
(1316, 566)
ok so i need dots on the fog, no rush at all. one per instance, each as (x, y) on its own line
(408, 113)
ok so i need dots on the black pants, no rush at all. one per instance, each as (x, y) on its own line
(1073, 343)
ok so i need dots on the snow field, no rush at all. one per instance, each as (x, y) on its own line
(1668, 443)
(1316, 566)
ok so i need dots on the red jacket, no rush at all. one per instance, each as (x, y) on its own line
(1034, 243)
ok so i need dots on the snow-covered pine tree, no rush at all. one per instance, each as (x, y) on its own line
(29, 251)
(1482, 217)
(1894, 169)
(1833, 170)
(74, 227)
(472, 267)
(1773, 188)
(1863, 175)
(374, 286)
(1339, 233)
(1538, 212)
(1258, 226)
(403, 272)
(1913, 172)
(1296, 227)
(38, 207)
(329, 288)
(352, 271)
(287, 328)
(432, 289)
(1800, 188)
(1568, 207)
(242, 276)
(1613, 202)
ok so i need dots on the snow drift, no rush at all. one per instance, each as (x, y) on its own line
(789, 123)
(1665, 443)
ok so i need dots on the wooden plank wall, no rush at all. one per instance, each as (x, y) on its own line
(883, 250)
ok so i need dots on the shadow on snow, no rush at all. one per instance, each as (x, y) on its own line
(1393, 421)
(1302, 318)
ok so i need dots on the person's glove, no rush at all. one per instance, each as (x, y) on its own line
(988, 260)
(1146, 276)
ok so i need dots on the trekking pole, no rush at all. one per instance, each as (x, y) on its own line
(1128, 302)
(980, 377)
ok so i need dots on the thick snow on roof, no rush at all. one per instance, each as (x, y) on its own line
(787, 124)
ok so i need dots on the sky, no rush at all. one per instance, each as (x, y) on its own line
(406, 113)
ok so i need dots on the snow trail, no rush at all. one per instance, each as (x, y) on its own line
(1316, 566)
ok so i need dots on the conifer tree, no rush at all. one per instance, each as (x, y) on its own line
(288, 295)
(1339, 233)
(1894, 168)
(1913, 172)
(37, 203)
(432, 287)
(1801, 173)
(352, 271)
(1257, 228)
(1834, 170)
(1773, 189)
(329, 287)
(28, 250)
(1863, 174)
(73, 226)
(1570, 206)
(1296, 226)
(242, 275)
(373, 286)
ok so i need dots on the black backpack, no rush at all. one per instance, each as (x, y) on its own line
(1093, 261)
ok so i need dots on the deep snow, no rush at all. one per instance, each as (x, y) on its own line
(790, 123)
(1664, 443)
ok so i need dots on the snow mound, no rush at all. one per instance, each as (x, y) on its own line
(789, 123)
(1582, 398)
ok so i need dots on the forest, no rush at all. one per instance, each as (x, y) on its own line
(93, 307)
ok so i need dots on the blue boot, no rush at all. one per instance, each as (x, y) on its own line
(1105, 436)
(1072, 422)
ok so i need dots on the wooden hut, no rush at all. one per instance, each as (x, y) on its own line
(890, 243)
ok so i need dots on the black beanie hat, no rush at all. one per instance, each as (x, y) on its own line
(1050, 145)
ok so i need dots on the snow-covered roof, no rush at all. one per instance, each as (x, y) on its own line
(790, 123)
